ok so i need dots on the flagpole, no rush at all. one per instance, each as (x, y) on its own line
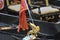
(29, 12)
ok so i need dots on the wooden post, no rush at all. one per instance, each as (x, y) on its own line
(47, 3)
(7, 2)
(29, 1)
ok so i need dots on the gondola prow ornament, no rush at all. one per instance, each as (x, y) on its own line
(35, 29)
(1, 4)
(32, 34)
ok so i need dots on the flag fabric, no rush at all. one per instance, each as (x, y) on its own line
(1, 4)
(22, 16)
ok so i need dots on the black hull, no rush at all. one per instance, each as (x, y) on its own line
(48, 30)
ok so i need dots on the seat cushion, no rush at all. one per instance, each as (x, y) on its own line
(45, 10)
(14, 7)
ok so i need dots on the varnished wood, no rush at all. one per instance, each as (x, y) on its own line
(15, 2)
(29, 1)
(7, 28)
(47, 3)
(7, 2)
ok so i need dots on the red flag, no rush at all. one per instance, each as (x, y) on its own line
(1, 4)
(22, 16)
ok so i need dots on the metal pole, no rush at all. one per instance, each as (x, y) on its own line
(29, 12)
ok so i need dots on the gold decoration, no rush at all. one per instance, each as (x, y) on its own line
(59, 16)
(7, 2)
(41, 18)
(52, 17)
(47, 18)
(34, 31)
(29, 1)
(7, 28)
(15, 2)
(47, 3)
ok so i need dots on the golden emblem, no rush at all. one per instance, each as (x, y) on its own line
(34, 29)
